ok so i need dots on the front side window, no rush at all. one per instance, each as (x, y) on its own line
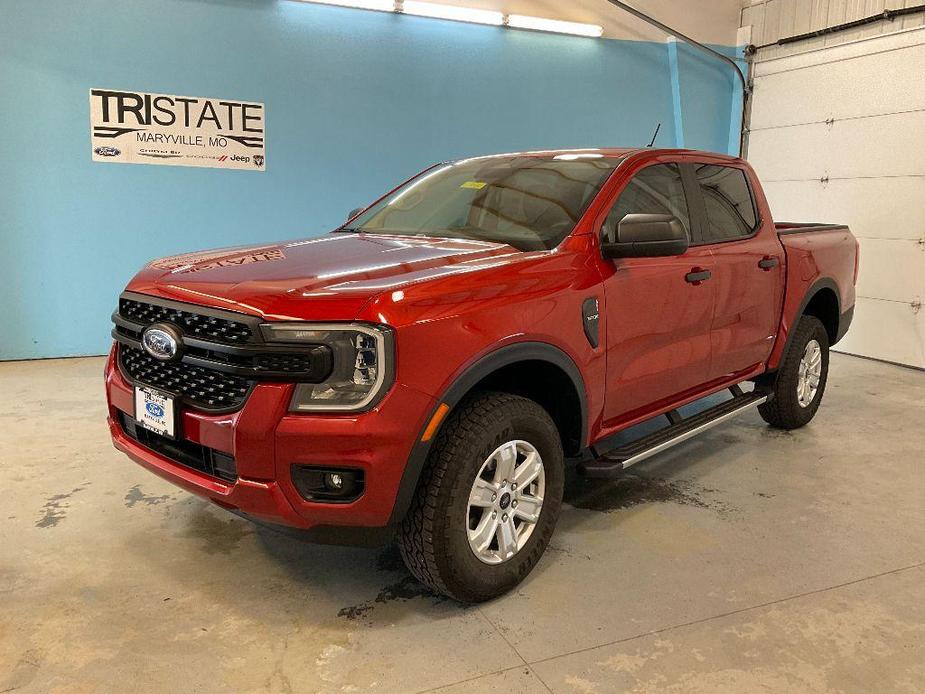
(728, 200)
(529, 202)
(654, 190)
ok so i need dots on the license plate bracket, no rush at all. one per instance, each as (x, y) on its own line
(156, 411)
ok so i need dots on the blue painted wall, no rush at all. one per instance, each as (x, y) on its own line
(355, 101)
(703, 84)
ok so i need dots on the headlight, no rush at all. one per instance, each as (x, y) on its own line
(363, 364)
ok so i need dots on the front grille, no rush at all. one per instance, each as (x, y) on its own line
(186, 453)
(205, 388)
(222, 354)
(206, 327)
(285, 363)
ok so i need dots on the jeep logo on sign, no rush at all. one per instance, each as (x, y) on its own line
(161, 341)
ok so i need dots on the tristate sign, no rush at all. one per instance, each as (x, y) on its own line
(144, 128)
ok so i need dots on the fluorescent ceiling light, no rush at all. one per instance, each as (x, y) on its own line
(521, 21)
(383, 5)
(459, 14)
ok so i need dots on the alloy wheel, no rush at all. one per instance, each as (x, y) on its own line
(505, 501)
(810, 373)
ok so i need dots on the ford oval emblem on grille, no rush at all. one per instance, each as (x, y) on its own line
(161, 341)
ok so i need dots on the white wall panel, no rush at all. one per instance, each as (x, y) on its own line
(854, 87)
(870, 147)
(891, 270)
(838, 134)
(878, 208)
(886, 330)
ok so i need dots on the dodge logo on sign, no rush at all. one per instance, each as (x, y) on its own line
(146, 128)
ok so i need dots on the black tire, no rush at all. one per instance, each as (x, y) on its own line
(783, 410)
(433, 536)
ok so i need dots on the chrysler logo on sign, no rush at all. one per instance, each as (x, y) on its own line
(161, 341)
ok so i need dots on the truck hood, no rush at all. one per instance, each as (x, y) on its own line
(327, 278)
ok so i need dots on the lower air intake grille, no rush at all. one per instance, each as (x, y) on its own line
(186, 453)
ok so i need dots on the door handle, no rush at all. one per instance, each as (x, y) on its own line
(697, 275)
(767, 263)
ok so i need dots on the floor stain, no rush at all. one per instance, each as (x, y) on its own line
(608, 496)
(772, 433)
(135, 496)
(389, 559)
(55, 508)
(567, 552)
(408, 588)
(220, 536)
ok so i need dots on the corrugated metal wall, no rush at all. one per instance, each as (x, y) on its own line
(775, 19)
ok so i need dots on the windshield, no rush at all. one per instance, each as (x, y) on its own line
(529, 202)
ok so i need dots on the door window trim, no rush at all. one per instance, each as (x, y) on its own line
(686, 185)
(703, 221)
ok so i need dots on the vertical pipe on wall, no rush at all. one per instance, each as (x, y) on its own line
(675, 76)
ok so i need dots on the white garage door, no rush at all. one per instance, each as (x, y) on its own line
(838, 135)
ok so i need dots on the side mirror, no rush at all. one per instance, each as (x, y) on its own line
(354, 212)
(647, 236)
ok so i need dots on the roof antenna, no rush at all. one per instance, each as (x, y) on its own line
(654, 135)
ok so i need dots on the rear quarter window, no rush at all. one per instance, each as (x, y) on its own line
(729, 203)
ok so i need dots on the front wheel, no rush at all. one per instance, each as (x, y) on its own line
(800, 380)
(488, 500)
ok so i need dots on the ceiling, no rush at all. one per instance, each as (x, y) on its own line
(708, 21)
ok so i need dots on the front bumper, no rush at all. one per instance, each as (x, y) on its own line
(266, 440)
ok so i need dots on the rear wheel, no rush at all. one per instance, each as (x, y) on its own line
(800, 381)
(488, 500)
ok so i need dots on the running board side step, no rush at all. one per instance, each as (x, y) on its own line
(680, 429)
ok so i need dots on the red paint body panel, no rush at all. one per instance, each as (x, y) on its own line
(811, 257)
(664, 342)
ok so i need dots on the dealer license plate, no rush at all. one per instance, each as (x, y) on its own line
(155, 411)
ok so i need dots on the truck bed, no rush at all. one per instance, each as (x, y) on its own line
(803, 227)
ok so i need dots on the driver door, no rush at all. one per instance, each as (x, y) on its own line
(658, 319)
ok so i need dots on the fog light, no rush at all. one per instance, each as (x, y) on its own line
(331, 485)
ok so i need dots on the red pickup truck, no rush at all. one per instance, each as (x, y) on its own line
(428, 369)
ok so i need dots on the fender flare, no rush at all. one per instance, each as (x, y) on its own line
(462, 384)
(815, 288)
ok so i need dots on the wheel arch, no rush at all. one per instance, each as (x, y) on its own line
(821, 301)
(824, 305)
(555, 383)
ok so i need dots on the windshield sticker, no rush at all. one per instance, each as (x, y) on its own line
(146, 128)
(475, 185)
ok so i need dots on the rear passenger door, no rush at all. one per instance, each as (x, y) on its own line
(747, 269)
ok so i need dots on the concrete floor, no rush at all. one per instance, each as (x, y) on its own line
(748, 559)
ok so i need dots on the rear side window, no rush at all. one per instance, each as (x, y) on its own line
(654, 190)
(728, 200)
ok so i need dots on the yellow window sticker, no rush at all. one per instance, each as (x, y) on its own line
(475, 185)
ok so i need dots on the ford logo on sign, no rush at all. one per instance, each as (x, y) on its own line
(161, 341)
(154, 409)
(107, 151)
